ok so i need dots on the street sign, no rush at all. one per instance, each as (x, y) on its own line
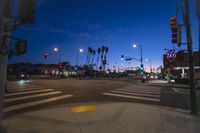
(128, 59)
(171, 55)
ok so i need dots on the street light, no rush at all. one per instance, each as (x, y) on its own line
(78, 51)
(59, 52)
(141, 60)
(135, 46)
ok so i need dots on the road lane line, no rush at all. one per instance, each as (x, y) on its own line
(136, 94)
(30, 104)
(132, 97)
(31, 96)
(28, 92)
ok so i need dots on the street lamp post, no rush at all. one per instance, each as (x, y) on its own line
(141, 60)
(78, 51)
(59, 54)
(135, 46)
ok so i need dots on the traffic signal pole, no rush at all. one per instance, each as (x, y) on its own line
(193, 99)
(3, 63)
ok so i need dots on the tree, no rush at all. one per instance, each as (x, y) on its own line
(99, 52)
(102, 53)
(106, 50)
(89, 53)
(93, 54)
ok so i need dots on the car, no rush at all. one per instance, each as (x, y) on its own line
(22, 76)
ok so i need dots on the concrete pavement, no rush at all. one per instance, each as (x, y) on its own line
(109, 117)
(163, 83)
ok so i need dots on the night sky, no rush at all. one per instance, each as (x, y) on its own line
(73, 24)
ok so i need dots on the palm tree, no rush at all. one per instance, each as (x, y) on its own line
(90, 54)
(106, 50)
(98, 51)
(93, 54)
(102, 52)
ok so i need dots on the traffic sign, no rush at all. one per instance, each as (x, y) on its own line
(128, 59)
(171, 55)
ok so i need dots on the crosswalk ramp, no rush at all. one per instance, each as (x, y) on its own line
(136, 92)
(22, 97)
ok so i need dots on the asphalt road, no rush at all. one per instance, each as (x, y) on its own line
(29, 95)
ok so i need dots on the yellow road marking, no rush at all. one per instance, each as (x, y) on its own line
(83, 108)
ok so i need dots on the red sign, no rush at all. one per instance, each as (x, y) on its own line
(171, 55)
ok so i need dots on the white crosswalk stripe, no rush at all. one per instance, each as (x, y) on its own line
(31, 96)
(20, 97)
(139, 91)
(23, 87)
(29, 104)
(18, 90)
(135, 92)
(28, 92)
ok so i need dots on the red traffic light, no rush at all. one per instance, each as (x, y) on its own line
(45, 54)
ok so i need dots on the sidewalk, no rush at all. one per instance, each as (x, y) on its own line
(109, 117)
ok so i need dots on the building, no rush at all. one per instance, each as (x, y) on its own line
(179, 67)
(64, 68)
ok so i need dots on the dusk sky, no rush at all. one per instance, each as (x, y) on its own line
(73, 24)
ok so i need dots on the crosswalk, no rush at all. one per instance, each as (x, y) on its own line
(136, 92)
(22, 97)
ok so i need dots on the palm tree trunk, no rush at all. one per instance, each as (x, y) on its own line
(97, 61)
(92, 59)
(87, 59)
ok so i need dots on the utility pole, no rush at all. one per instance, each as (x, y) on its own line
(193, 100)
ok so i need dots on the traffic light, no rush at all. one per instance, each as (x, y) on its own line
(45, 55)
(27, 11)
(176, 31)
(173, 27)
(122, 57)
(142, 67)
(20, 47)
